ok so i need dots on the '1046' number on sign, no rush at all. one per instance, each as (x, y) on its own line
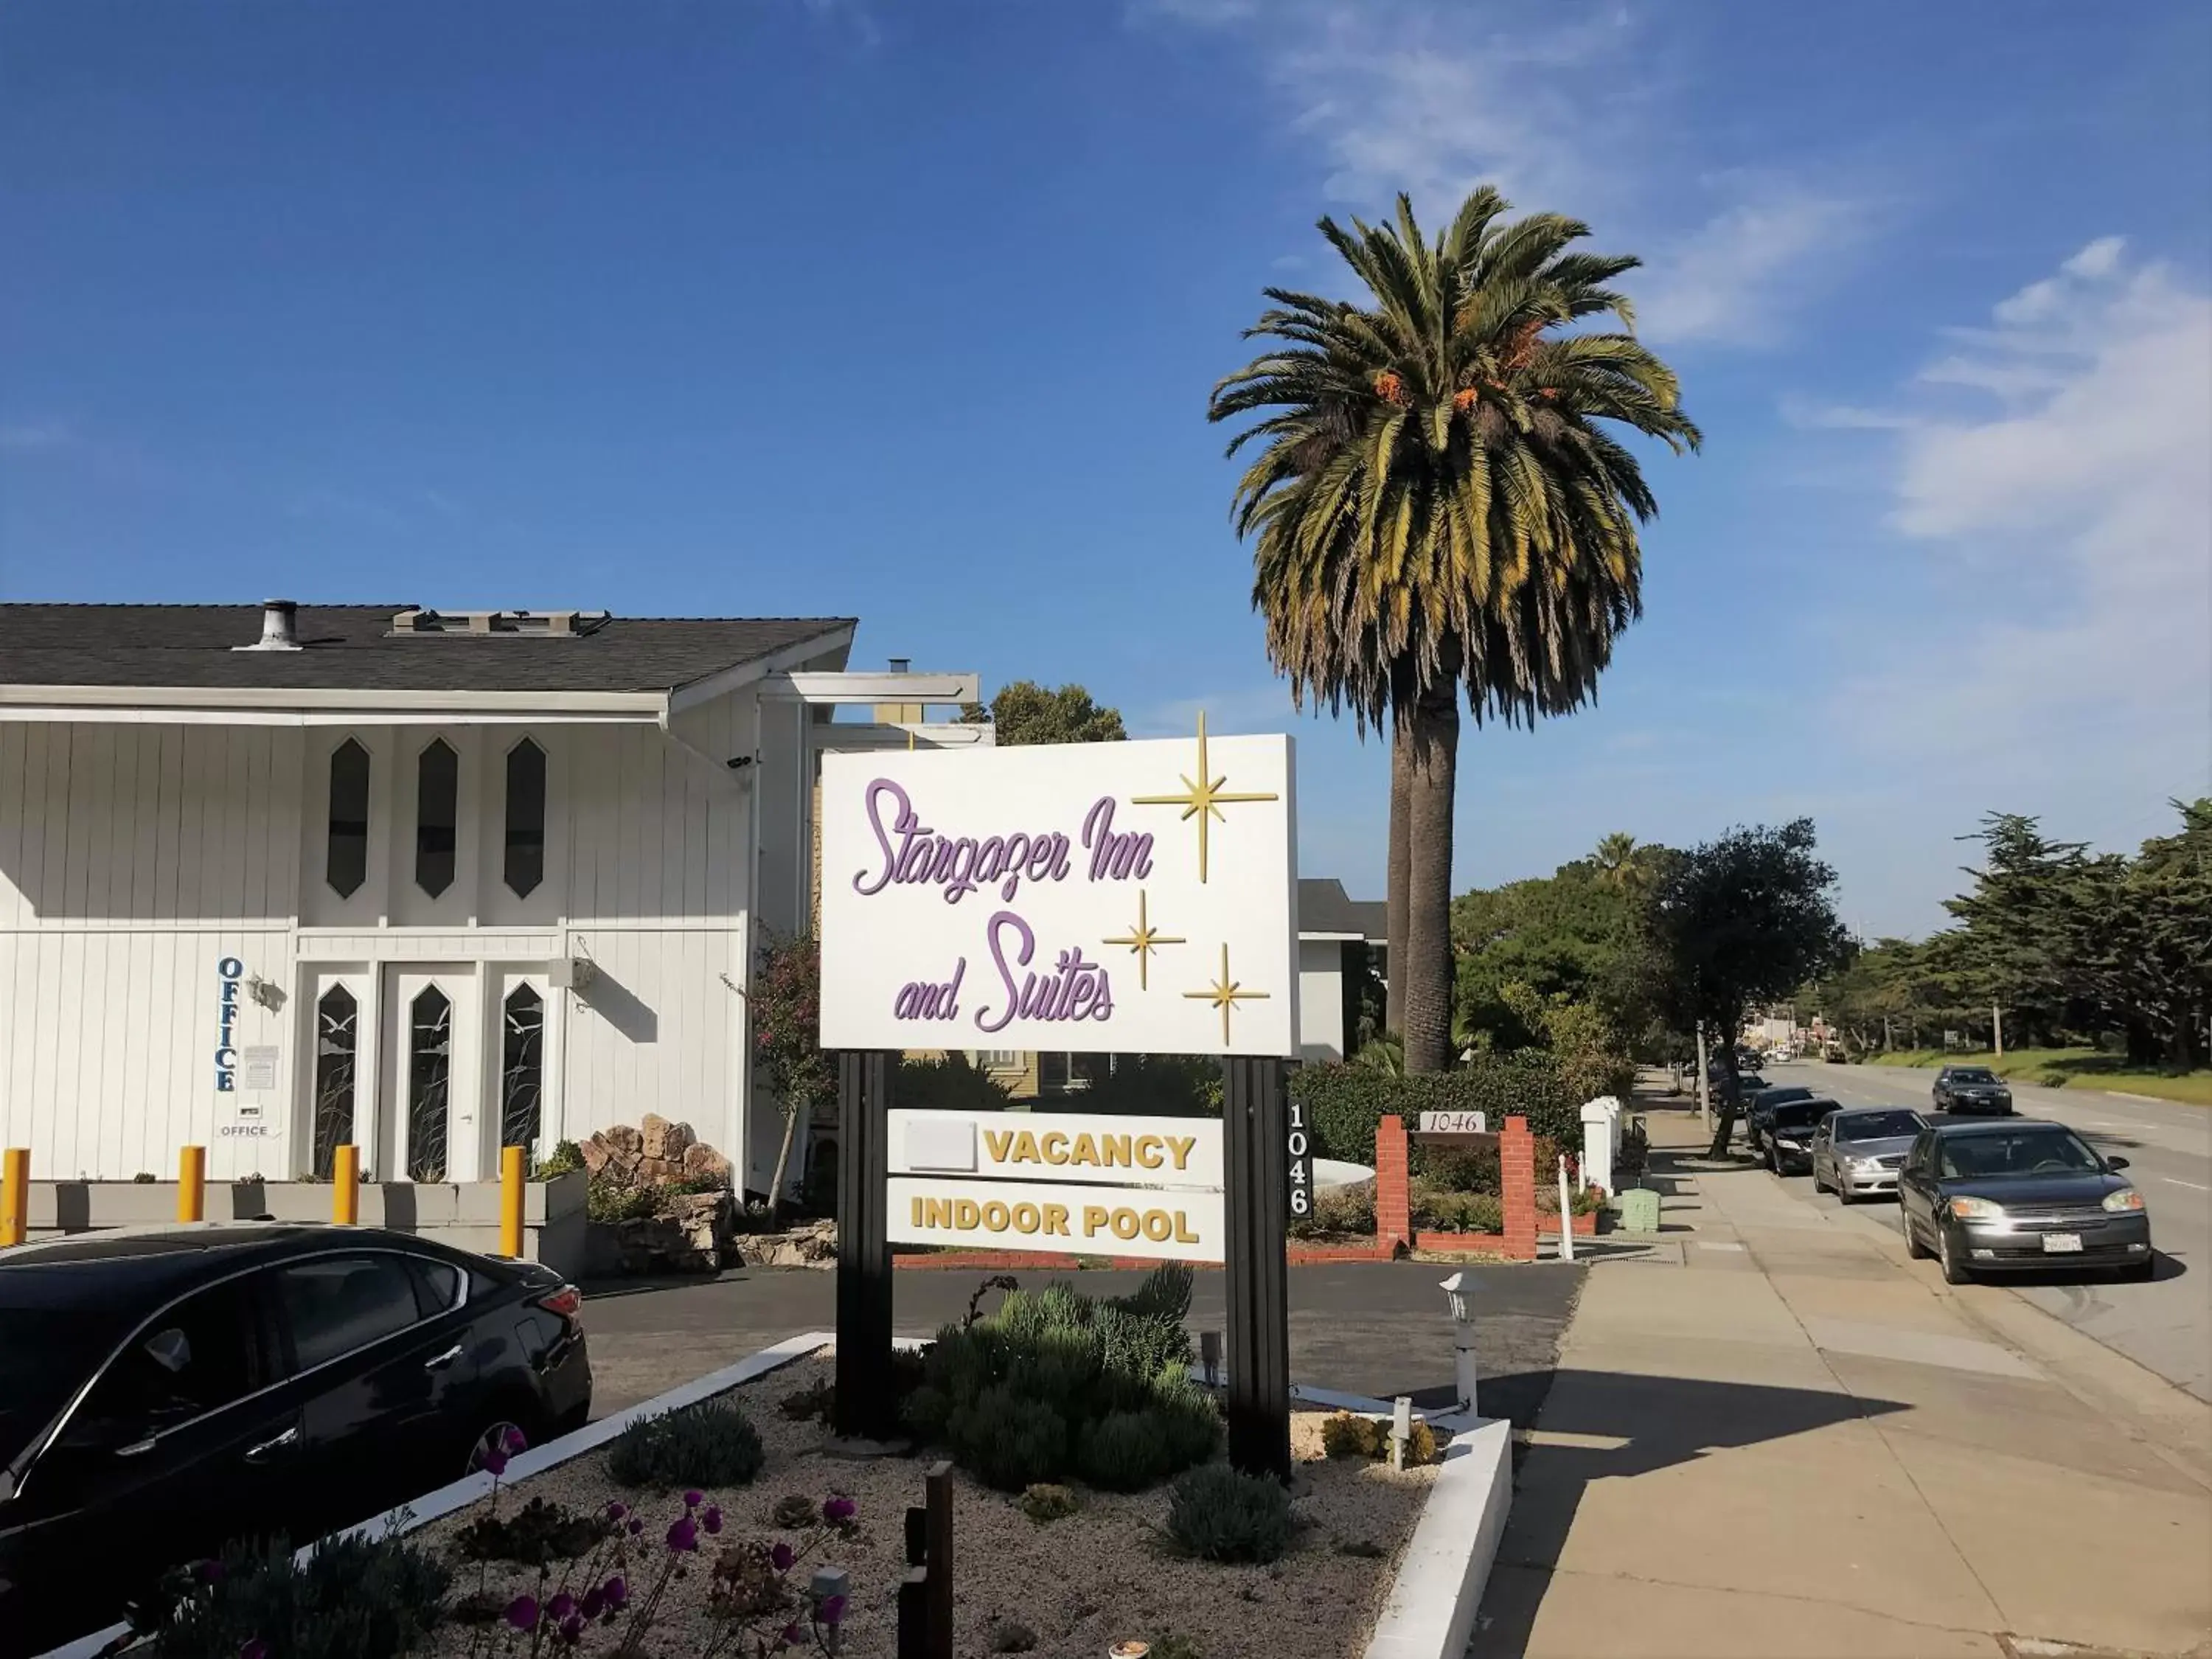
(1301, 1163)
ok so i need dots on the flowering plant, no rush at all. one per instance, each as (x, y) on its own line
(785, 1006)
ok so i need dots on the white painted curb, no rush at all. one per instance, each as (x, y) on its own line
(1446, 1567)
(434, 1506)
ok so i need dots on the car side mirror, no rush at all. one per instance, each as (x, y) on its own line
(2115, 1164)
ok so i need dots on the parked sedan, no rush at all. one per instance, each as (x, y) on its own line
(1789, 1130)
(1762, 1109)
(1983, 1197)
(1859, 1153)
(1970, 1089)
(164, 1392)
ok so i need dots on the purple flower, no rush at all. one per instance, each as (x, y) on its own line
(617, 1591)
(522, 1613)
(782, 1556)
(683, 1536)
(560, 1606)
(792, 1636)
(636, 1526)
(693, 1498)
(208, 1572)
(256, 1649)
(513, 1440)
(572, 1629)
(617, 1510)
(832, 1611)
(594, 1602)
(839, 1510)
(711, 1518)
(493, 1463)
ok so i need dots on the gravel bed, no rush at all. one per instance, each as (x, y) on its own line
(1077, 1584)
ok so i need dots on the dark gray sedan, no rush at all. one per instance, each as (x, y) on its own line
(1861, 1151)
(2009, 1195)
(1789, 1130)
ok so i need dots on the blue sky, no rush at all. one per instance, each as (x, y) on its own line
(910, 310)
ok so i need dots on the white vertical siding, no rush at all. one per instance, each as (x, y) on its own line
(1320, 999)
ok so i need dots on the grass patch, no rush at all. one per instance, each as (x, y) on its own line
(2080, 1068)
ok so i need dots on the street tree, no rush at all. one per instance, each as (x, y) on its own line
(1743, 919)
(1025, 712)
(1439, 510)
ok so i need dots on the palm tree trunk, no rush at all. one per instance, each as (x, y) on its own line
(1428, 959)
(1396, 889)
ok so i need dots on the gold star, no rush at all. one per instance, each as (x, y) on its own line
(1143, 939)
(1225, 995)
(1198, 800)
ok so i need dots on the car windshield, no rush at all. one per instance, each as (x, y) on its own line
(2043, 1149)
(1973, 1074)
(46, 1355)
(1877, 1126)
(1802, 1113)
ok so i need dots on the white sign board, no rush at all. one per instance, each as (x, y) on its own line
(1455, 1123)
(1070, 1146)
(1096, 897)
(1068, 1217)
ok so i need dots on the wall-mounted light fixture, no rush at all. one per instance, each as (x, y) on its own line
(267, 993)
(571, 973)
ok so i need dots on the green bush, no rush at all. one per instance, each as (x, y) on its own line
(565, 1157)
(1022, 1396)
(1456, 1212)
(609, 1197)
(1344, 1103)
(1158, 1085)
(1044, 1503)
(353, 1598)
(954, 1084)
(709, 1445)
(1217, 1513)
(1344, 1435)
(1338, 1210)
(539, 1532)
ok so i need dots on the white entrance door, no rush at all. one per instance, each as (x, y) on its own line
(432, 1086)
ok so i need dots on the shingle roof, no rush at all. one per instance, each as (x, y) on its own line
(350, 647)
(1324, 907)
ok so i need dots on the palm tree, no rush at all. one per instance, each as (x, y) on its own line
(1617, 860)
(1437, 504)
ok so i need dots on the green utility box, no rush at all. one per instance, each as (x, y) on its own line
(1639, 1211)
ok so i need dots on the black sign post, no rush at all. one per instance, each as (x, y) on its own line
(1256, 1149)
(867, 1407)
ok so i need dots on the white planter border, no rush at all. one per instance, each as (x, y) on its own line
(1433, 1603)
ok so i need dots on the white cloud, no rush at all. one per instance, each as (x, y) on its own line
(1724, 281)
(2064, 661)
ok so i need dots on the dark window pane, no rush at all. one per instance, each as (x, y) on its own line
(343, 1303)
(429, 1061)
(46, 1352)
(437, 796)
(338, 1023)
(198, 1356)
(346, 862)
(526, 817)
(437, 1284)
(522, 1071)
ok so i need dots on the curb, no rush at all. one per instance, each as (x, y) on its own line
(1446, 1567)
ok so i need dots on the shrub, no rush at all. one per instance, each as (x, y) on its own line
(1338, 1210)
(1460, 1169)
(609, 1197)
(1023, 1395)
(1456, 1212)
(537, 1532)
(1346, 1435)
(353, 1598)
(565, 1157)
(1344, 1103)
(709, 1445)
(1222, 1515)
(1160, 1085)
(953, 1083)
(1048, 1503)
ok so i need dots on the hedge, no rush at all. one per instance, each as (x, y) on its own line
(1344, 1103)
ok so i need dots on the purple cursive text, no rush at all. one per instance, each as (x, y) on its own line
(914, 853)
(1076, 989)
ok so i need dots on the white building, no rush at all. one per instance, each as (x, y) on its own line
(1341, 941)
(429, 882)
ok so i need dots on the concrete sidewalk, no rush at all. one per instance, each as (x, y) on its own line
(1796, 1443)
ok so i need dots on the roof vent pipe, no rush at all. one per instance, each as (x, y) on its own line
(279, 627)
(901, 664)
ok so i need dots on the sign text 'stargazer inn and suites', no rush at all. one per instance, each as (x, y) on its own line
(1123, 898)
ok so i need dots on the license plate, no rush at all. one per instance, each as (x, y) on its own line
(2061, 1243)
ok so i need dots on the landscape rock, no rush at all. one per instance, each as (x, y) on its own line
(661, 1140)
(702, 1163)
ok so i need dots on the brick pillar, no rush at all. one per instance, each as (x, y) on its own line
(1517, 1165)
(1393, 1203)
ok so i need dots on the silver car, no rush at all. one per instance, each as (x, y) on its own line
(1860, 1151)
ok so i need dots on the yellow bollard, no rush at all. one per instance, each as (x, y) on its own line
(514, 1162)
(345, 1185)
(15, 1194)
(191, 1184)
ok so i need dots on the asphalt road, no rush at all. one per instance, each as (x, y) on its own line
(2166, 1325)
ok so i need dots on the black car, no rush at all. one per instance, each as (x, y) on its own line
(1789, 1130)
(164, 1392)
(1996, 1197)
(1970, 1089)
(1763, 1104)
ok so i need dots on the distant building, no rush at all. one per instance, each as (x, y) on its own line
(1340, 940)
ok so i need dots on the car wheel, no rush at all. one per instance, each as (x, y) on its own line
(506, 1428)
(1845, 1195)
(1913, 1247)
(1954, 1271)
